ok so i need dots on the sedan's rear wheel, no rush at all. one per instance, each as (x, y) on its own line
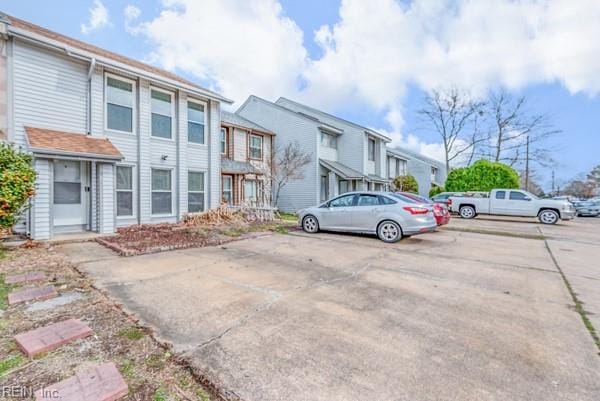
(310, 224)
(548, 217)
(467, 212)
(389, 231)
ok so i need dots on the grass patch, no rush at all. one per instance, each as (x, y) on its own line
(7, 364)
(127, 368)
(160, 395)
(132, 333)
(233, 232)
(157, 361)
(288, 216)
(4, 290)
(2, 253)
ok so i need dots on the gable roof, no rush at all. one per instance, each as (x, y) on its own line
(20, 27)
(236, 120)
(409, 154)
(47, 141)
(312, 111)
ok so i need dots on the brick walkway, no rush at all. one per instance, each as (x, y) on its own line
(30, 294)
(25, 278)
(50, 337)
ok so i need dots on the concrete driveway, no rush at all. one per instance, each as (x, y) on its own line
(444, 316)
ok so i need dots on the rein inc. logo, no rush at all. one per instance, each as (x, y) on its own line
(25, 392)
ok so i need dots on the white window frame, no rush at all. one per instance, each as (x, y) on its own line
(173, 126)
(187, 120)
(230, 177)
(369, 139)
(197, 192)
(133, 192)
(327, 139)
(223, 140)
(401, 165)
(262, 147)
(133, 107)
(170, 170)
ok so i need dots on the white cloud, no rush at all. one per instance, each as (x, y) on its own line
(241, 47)
(98, 18)
(378, 48)
(131, 12)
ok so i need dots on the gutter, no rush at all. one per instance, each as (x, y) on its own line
(105, 61)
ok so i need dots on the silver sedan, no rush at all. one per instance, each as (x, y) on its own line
(389, 215)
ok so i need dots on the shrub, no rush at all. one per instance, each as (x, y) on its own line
(406, 183)
(483, 175)
(435, 189)
(17, 184)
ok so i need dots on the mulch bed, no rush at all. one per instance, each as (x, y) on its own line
(152, 238)
(151, 370)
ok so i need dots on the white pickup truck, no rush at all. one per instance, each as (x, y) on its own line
(512, 202)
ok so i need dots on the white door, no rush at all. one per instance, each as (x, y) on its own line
(70, 200)
(250, 191)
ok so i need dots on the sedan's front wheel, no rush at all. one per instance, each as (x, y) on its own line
(310, 224)
(389, 231)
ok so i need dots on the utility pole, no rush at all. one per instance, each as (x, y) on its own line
(527, 164)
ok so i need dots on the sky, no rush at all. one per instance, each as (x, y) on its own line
(371, 62)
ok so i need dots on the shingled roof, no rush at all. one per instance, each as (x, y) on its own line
(47, 141)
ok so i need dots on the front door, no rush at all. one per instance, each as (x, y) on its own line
(70, 195)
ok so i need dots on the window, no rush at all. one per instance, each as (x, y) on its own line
(124, 191)
(227, 195)
(391, 164)
(433, 173)
(328, 140)
(518, 196)
(119, 104)
(400, 167)
(371, 149)
(250, 190)
(343, 201)
(162, 112)
(223, 141)
(500, 194)
(162, 199)
(195, 192)
(324, 188)
(343, 186)
(368, 200)
(384, 200)
(196, 122)
(67, 182)
(256, 147)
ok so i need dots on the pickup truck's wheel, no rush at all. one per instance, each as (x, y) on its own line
(310, 224)
(467, 212)
(389, 231)
(548, 217)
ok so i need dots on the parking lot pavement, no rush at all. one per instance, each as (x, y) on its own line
(443, 316)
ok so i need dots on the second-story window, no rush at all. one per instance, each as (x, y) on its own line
(224, 141)
(328, 140)
(433, 173)
(196, 122)
(119, 104)
(256, 147)
(371, 149)
(162, 114)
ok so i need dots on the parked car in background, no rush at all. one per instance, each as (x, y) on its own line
(440, 210)
(587, 208)
(513, 202)
(443, 197)
(388, 215)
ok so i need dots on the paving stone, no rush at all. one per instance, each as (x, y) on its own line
(25, 278)
(100, 383)
(30, 294)
(50, 337)
(63, 299)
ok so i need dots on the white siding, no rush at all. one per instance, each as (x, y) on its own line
(182, 153)
(240, 144)
(214, 175)
(144, 172)
(106, 196)
(41, 211)
(328, 153)
(49, 90)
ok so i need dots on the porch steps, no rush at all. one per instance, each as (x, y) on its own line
(25, 278)
(50, 337)
(100, 383)
(30, 294)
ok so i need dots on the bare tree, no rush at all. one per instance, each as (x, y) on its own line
(581, 188)
(287, 164)
(517, 136)
(454, 115)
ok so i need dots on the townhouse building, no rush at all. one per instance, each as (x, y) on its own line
(246, 162)
(345, 156)
(115, 142)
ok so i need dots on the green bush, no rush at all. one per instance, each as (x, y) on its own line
(17, 184)
(435, 189)
(483, 175)
(406, 183)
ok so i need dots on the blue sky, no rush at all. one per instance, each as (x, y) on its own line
(340, 57)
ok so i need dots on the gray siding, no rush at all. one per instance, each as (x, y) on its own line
(49, 90)
(214, 176)
(106, 193)
(290, 128)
